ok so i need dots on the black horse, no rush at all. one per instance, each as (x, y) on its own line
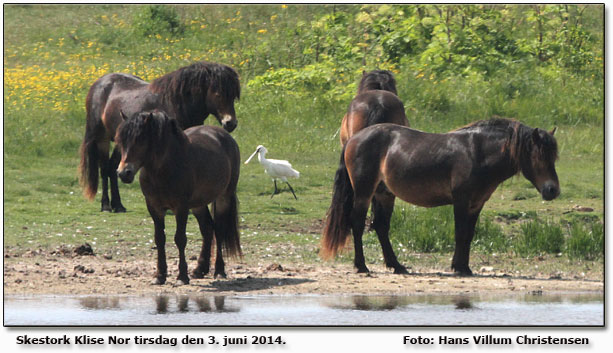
(183, 170)
(188, 94)
(463, 168)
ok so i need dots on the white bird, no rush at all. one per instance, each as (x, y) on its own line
(277, 169)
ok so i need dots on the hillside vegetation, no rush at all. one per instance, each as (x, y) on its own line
(299, 67)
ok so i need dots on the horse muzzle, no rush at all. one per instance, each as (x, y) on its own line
(126, 174)
(229, 123)
(550, 191)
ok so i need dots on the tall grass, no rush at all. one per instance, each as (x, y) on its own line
(432, 230)
(586, 240)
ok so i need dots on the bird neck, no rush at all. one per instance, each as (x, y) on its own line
(261, 156)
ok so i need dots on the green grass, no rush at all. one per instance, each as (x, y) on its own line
(72, 45)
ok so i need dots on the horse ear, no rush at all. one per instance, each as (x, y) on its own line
(553, 131)
(148, 118)
(363, 72)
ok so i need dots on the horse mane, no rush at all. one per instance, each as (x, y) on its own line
(519, 142)
(194, 81)
(378, 79)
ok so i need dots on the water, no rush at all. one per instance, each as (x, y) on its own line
(194, 310)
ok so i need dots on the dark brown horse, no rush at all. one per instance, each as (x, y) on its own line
(183, 170)
(462, 168)
(189, 94)
(376, 102)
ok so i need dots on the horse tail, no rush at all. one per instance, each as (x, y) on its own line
(225, 212)
(338, 219)
(89, 151)
(88, 167)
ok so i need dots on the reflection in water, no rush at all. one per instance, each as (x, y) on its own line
(387, 303)
(498, 310)
(161, 304)
(97, 303)
(463, 303)
(203, 304)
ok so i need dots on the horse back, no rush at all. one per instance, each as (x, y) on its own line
(114, 93)
(214, 160)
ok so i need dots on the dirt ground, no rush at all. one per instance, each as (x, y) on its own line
(37, 272)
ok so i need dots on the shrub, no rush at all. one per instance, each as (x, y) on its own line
(158, 19)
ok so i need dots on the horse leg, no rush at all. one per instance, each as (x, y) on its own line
(292, 190)
(465, 222)
(103, 152)
(383, 208)
(115, 198)
(205, 221)
(181, 242)
(381, 188)
(160, 243)
(358, 216)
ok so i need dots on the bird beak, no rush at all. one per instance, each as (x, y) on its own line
(254, 153)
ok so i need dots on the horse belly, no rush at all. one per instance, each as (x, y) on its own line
(421, 187)
(430, 194)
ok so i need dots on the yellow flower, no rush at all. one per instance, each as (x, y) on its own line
(262, 31)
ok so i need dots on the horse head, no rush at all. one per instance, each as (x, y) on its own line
(539, 167)
(222, 107)
(377, 80)
(139, 138)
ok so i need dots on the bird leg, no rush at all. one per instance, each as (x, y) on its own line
(292, 190)
(276, 190)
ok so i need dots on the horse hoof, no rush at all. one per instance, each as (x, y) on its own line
(120, 209)
(158, 281)
(199, 273)
(106, 209)
(463, 273)
(220, 274)
(363, 270)
(181, 282)
(401, 271)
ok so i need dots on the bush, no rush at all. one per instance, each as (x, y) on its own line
(158, 19)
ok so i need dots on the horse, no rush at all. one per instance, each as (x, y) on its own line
(376, 102)
(188, 94)
(182, 171)
(462, 168)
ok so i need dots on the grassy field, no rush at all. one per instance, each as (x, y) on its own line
(52, 54)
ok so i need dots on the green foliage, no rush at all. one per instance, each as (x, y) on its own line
(490, 237)
(538, 237)
(586, 240)
(157, 20)
(424, 230)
